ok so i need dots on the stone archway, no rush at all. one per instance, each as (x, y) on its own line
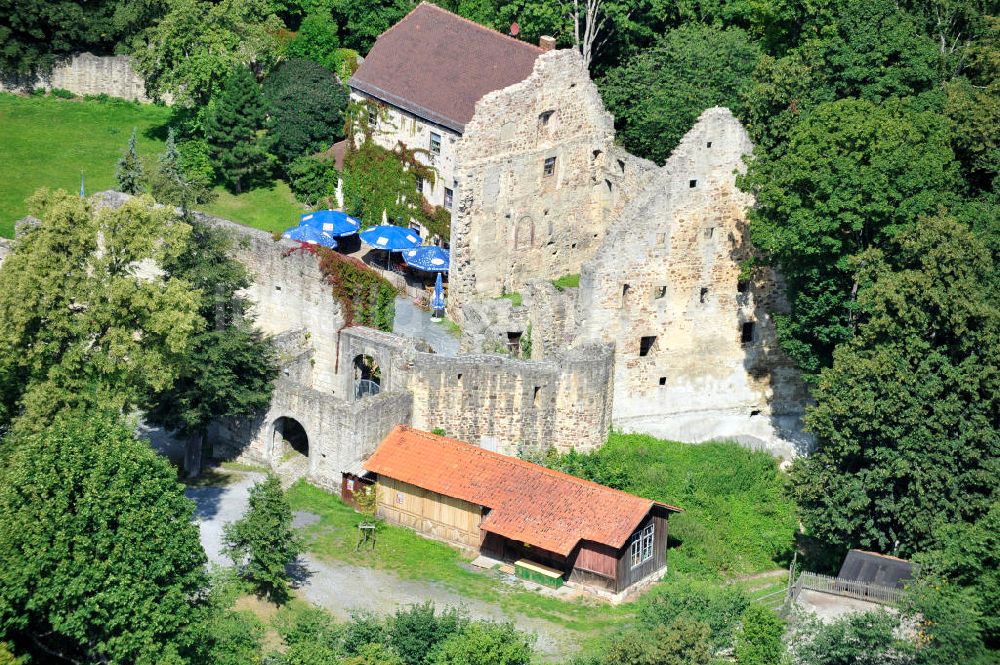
(367, 376)
(288, 437)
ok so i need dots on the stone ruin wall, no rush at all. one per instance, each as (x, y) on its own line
(5, 249)
(670, 269)
(512, 223)
(492, 401)
(85, 74)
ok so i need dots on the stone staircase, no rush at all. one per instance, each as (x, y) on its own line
(290, 470)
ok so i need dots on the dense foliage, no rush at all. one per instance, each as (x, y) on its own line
(99, 558)
(855, 639)
(758, 640)
(232, 131)
(262, 544)
(736, 516)
(80, 327)
(305, 106)
(366, 297)
(313, 180)
(906, 415)
(129, 173)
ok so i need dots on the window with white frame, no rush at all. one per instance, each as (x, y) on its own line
(449, 198)
(549, 166)
(642, 545)
(435, 143)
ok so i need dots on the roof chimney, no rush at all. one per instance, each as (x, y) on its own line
(547, 43)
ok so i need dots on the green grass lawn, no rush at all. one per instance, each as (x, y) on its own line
(47, 142)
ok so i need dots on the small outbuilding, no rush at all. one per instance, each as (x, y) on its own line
(874, 568)
(552, 526)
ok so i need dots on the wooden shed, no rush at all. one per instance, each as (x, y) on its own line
(554, 527)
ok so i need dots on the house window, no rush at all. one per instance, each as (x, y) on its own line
(543, 118)
(550, 166)
(746, 333)
(659, 292)
(642, 545)
(435, 143)
(704, 292)
(372, 116)
(709, 232)
(449, 198)
(420, 185)
(692, 183)
(646, 345)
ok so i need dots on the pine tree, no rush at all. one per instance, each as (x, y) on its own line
(232, 129)
(262, 543)
(129, 173)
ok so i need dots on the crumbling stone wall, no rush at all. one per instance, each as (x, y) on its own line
(696, 355)
(86, 74)
(517, 218)
(5, 248)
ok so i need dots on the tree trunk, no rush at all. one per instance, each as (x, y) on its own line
(193, 454)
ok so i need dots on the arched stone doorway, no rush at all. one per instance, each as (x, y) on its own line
(289, 437)
(367, 376)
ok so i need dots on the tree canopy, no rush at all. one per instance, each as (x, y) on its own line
(233, 128)
(99, 558)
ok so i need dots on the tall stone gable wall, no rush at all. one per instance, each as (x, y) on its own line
(496, 402)
(86, 74)
(512, 223)
(669, 270)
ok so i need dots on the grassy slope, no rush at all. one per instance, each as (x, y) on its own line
(47, 142)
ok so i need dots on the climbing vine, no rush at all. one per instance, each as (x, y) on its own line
(366, 297)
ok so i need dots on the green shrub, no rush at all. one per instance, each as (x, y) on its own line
(62, 93)
(758, 640)
(312, 179)
(196, 162)
(567, 282)
(719, 608)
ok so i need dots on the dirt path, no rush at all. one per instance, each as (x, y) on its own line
(341, 588)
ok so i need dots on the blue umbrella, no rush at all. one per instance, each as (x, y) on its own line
(389, 237)
(437, 302)
(310, 235)
(331, 222)
(428, 258)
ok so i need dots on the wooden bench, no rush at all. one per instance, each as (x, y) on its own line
(538, 573)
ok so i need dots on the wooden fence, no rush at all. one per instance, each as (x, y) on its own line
(875, 593)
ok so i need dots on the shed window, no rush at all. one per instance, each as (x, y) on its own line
(646, 345)
(642, 545)
(746, 332)
(550, 166)
(435, 143)
(449, 198)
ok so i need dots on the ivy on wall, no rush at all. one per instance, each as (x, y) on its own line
(366, 297)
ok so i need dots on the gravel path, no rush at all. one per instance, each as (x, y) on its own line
(341, 588)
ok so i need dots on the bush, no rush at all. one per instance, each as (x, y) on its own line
(316, 40)
(683, 642)
(486, 644)
(719, 608)
(414, 632)
(62, 93)
(313, 180)
(758, 640)
(196, 161)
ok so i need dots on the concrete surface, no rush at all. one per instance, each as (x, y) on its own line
(411, 321)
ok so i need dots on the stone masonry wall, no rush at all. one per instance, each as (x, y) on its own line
(512, 221)
(669, 272)
(86, 74)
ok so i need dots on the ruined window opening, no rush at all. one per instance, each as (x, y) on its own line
(537, 395)
(514, 344)
(460, 376)
(550, 166)
(596, 154)
(663, 380)
(625, 289)
(420, 185)
(449, 198)
(621, 165)
(661, 239)
(435, 143)
(755, 412)
(709, 232)
(609, 186)
(701, 296)
(746, 333)
(743, 285)
(659, 292)
(692, 183)
(646, 345)
(277, 287)
(708, 145)
(544, 117)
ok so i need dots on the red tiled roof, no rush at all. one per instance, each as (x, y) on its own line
(437, 65)
(528, 503)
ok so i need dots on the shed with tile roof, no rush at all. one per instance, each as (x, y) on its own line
(511, 510)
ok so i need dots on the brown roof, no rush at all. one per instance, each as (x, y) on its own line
(528, 503)
(437, 65)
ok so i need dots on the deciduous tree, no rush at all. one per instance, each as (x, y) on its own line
(100, 561)
(482, 643)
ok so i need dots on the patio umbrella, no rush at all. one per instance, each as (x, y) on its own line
(427, 258)
(310, 235)
(331, 222)
(390, 238)
(437, 301)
